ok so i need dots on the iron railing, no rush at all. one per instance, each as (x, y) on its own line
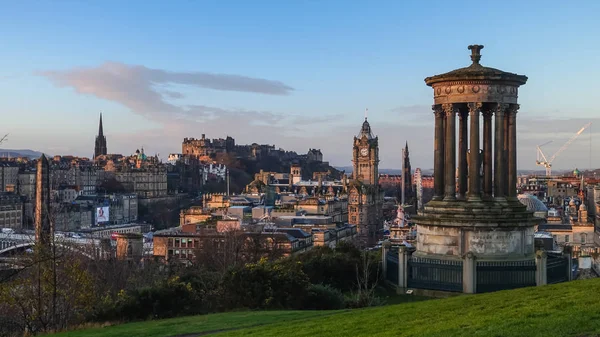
(501, 275)
(391, 273)
(434, 274)
(557, 268)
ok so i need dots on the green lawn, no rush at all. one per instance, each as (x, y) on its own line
(195, 324)
(568, 309)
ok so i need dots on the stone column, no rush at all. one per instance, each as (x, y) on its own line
(469, 273)
(450, 147)
(438, 156)
(487, 154)
(505, 152)
(541, 271)
(402, 267)
(462, 153)
(474, 182)
(499, 158)
(568, 251)
(512, 152)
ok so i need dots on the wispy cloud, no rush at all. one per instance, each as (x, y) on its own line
(138, 87)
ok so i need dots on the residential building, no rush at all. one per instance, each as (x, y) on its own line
(11, 210)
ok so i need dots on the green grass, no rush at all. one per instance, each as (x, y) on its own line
(568, 309)
(194, 324)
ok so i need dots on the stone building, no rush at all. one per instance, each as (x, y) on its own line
(184, 247)
(11, 210)
(314, 155)
(146, 182)
(365, 197)
(26, 184)
(192, 215)
(205, 147)
(78, 175)
(130, 246)
(336, 208)
(9, 176)
(69, 217)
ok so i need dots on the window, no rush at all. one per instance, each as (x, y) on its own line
(583, 237)
(566, 238)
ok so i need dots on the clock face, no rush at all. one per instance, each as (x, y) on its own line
(364, 152)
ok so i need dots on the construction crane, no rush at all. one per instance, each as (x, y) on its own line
(547, 163)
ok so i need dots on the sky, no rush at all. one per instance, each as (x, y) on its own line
(296, 74)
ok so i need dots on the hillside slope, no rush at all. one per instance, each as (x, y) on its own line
(568, 309)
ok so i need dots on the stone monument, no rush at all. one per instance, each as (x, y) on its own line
(476, 211)
(43, 226)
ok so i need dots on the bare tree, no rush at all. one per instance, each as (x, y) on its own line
(366, 282)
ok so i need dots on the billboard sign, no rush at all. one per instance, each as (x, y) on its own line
(102, 214)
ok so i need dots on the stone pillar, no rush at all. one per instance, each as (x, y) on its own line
(384, 249)
(474, 182)
(505, 152)
(462, 153)
(402, 267)
(470, 273)
(568, 251)
(487, 154)
(512, 152)
(450, 147)
(541, 271)
(499, 158)
(438, 157)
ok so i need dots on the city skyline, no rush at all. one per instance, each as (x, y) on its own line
(302, 85)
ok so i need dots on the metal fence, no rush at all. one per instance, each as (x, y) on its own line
(501, 275)
(557, 268)
(445, 275)
(391, 273)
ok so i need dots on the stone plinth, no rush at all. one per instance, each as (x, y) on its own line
(491, 230)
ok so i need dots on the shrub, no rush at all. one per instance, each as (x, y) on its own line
(266, 285)
(323, 297)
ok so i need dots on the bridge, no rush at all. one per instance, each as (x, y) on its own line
(14, 243)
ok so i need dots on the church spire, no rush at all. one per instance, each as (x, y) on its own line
(100, 148)
(100, 130)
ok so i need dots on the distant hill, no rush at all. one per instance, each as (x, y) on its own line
(4, 153)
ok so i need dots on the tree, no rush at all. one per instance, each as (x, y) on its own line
(53, 293)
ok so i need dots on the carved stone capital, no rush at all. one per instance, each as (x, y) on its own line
(487, 114)
(450, 109)
(500, 109)
(474, 108)
(437, 110)
(513, 109)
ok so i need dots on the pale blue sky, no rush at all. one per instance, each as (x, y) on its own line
(300, 73)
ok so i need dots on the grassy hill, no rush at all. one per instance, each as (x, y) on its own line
(568, 309)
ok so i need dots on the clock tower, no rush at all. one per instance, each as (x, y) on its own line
(365, 156)
(365, 197)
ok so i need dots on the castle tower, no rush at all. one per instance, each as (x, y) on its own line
(488, 222)
(43, 226)
(100, 148)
